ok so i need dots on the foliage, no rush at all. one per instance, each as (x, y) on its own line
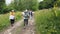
(47, 22)
(58, 3)
(4, 8)
(47, 4)
(26, 4)
(2, 2)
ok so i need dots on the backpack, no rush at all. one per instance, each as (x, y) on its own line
(26, 15)
(30, 13)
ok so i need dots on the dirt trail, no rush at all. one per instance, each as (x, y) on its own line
(17, 29)
(16, 25)
(30, 29)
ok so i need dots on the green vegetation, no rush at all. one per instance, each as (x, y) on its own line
(48, 21)
(26, 4)
(18, 5)
(2, 2)
(4, 20)
(47, 4)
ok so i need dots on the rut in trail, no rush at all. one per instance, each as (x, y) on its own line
(30, 29)
(11, 29)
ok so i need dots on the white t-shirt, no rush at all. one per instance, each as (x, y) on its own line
(11, 17)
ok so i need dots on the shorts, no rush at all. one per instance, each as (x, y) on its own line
(25, 22)
(12, 21)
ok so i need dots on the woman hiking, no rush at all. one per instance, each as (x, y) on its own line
(12, 17)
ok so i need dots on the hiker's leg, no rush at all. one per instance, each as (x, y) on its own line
(30, 16)
(24, 21)
(11, 21)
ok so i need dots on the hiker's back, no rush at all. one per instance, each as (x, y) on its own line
(30, 13)
(26, 16)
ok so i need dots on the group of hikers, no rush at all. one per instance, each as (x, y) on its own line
(27, 14)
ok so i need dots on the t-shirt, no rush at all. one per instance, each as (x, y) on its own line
(30, 13)
(11, 17)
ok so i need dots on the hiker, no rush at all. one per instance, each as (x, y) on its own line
(30, 14)
(26, 17)
(12, 17)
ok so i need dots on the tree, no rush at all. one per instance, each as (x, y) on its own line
(47, 4)
(58, 3)
(26, 4)
(2, 2)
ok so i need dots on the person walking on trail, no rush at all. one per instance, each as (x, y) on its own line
(30, 14)
(12, 17)
(26, 17)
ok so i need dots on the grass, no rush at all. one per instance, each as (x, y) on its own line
(4, 20)
(47, 21)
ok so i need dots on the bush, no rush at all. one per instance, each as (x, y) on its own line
(6, 9)
(46, 23)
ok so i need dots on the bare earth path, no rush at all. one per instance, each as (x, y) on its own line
(17, 29)
(16, 25)
(30, 29)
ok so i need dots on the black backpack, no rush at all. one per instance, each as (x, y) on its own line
(30, 13)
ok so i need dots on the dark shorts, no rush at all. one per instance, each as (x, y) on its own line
(12, 21)
(25, 22)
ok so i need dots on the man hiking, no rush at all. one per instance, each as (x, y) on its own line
(26, 17)
(30, 14)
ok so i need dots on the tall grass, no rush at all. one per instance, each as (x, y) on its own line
(47, 22)
(4, 20)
